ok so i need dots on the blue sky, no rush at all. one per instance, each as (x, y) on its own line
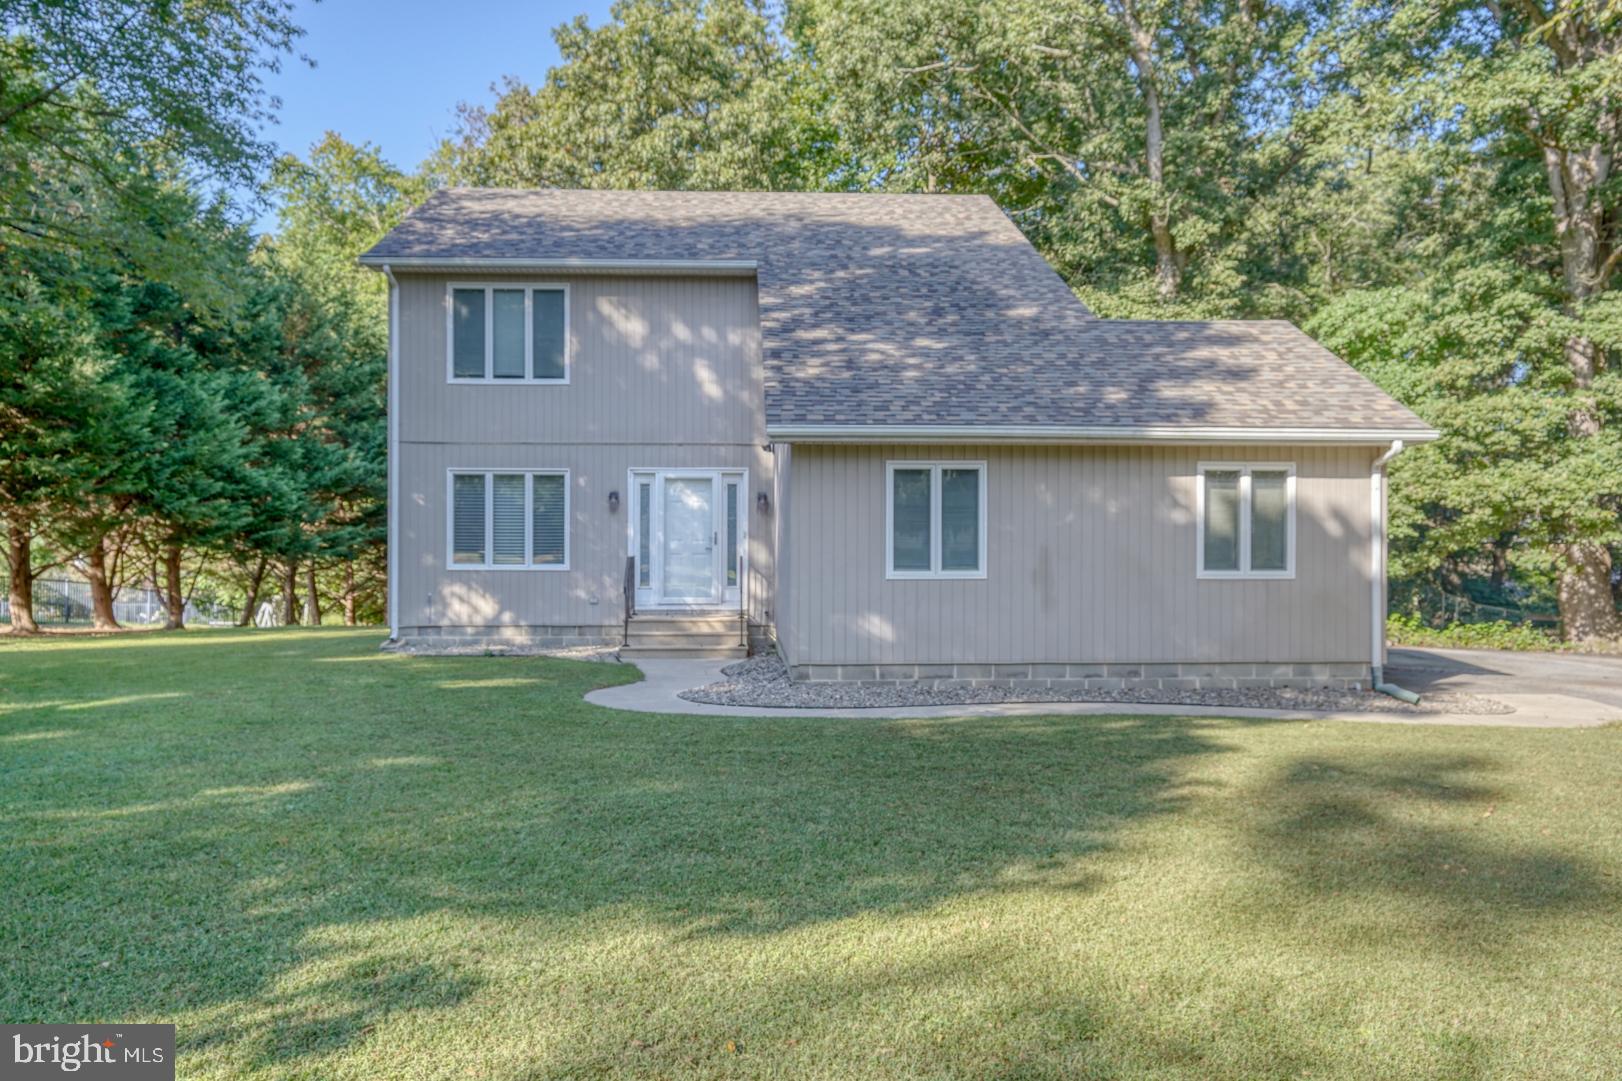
(391, 72)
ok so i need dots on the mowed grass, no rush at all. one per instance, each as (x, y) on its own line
(321, 861)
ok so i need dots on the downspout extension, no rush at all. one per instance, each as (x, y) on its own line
(1377, 578)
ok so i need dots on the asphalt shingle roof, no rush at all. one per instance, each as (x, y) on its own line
(920, 310)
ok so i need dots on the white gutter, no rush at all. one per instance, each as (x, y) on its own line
(1097, 433)
(1377, 554)
(705, 267)
(394, 456)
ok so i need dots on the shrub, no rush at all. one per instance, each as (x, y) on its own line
(1411, 630)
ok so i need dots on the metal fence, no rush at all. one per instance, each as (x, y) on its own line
(1456, 608)
(66, 602)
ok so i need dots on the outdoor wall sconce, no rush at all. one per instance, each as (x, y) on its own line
(613, 502)
(763, 502)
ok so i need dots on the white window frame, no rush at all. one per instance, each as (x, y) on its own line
(934, 466)
(1244, 470)
(489, 378)
(529, 476)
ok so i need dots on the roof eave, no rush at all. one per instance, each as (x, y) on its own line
(1185, 435)
(425, 264)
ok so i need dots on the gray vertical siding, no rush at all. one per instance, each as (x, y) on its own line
(589, 592)
(654, 360)
(665, 372)
(1090, 557)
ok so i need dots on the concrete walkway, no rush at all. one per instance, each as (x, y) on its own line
(664, 680)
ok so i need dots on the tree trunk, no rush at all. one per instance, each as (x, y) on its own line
(1168, 261)
(312, 600)
(349, 593)
(254, 582)
(1499, 552)
(1587, 610)
(20, 554)
(101, 590)
(1578, 177)
(174, 592)
(290, 593)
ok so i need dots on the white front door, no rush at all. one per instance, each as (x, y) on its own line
(687, 537)
(689, 541)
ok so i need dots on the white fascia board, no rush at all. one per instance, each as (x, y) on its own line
(698, 267)
(1184, 435)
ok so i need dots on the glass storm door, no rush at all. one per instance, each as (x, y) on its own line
(688, 537)
(690, 541)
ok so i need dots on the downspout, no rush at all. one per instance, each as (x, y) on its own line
(1377, 559)
(394, 456)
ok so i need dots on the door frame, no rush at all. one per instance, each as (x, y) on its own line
(649, 598)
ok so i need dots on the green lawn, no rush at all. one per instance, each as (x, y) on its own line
(326, 862)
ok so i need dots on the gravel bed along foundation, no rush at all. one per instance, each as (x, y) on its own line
(763, 681)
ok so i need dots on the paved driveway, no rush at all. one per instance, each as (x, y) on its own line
(1497, 673)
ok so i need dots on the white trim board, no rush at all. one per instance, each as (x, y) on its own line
(392, 541)
(1105, 434)
(454, 264)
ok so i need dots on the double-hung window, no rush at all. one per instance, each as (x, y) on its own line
(504, 520)
(1246, 520)
(935, 519)
(507, 333)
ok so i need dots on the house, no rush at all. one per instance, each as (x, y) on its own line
(878, 429)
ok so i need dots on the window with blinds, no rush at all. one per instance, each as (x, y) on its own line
(550, 522)
(514, 520)
(935, 519)
(508, 333)
(507, 518)
(467, 518)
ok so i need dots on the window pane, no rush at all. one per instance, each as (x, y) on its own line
(910, 517)
(960, 519)
(547, 305)
(507, 517)
(550, 524)
(1222, 520)
(467, 519)
(644, 531)
(1269, 525)
(467, 333)
(732, 533)
(507, 333)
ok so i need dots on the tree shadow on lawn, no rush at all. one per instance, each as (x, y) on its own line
(216, 892)
(1407, 847)
(256, 875)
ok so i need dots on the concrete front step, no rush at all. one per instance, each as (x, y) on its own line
(684, 625)
(683, 652)
(688, 641)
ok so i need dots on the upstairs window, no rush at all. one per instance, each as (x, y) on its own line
(507, 333)
(509, 520)
(935, 519)
(1246, 520)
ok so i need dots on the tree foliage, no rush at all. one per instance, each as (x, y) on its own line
(1428, 188)
(697, 94)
